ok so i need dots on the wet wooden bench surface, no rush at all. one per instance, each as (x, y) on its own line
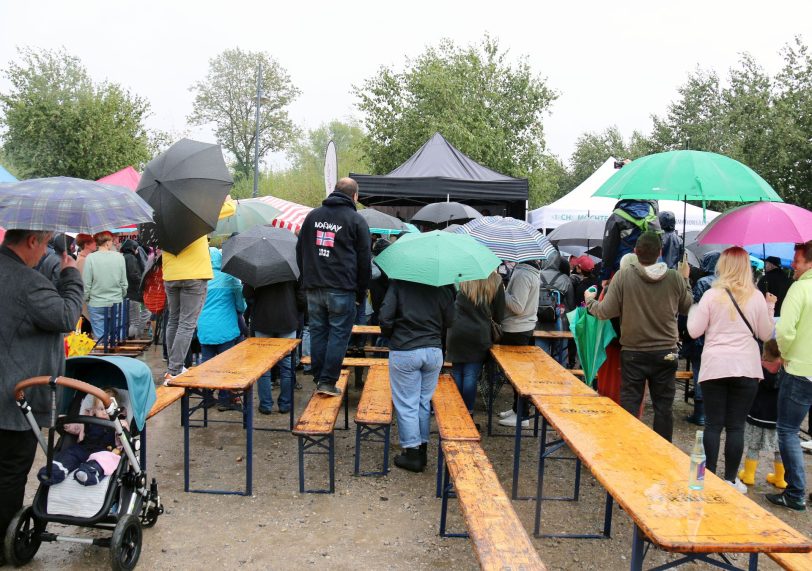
(165, 396)
(238, 368)
(648, 477)
(366, 330)
(361, 362)
(375, 405)
(681, 375)
(793, 561)
(319, 417)
(552, 334)
(498, 536)
(453, 420)
(531, 371)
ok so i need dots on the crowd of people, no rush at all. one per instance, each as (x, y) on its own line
(728, 320)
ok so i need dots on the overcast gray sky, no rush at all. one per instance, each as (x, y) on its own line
(612, 63)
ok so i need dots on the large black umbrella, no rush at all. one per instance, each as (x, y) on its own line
(261, 256)
(377, 220)
(445, 213)
(697, 251)
(186, 186)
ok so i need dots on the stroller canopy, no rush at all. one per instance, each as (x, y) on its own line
(124, 373)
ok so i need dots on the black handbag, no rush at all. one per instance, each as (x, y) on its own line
(496, 328)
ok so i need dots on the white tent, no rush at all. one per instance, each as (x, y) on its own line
(580, 203)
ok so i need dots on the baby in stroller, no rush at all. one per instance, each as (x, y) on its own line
(95, 454)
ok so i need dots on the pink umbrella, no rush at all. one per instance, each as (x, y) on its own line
(127, 177)
(759, 223)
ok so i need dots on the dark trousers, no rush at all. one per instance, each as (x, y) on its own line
(639, 367)
(17, 450)
(727, 402)
(521, 338)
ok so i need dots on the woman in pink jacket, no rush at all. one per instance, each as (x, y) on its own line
(731, 358)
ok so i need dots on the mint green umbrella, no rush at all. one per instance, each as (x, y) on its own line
(437, 259)
(249, 213)
(591, 336)
(688, 175)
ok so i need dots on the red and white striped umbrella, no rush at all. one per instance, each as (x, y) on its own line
(292, 215)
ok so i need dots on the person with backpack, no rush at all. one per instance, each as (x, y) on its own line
(556, 297)
(672, 243)
(135, 270)
(628, 221)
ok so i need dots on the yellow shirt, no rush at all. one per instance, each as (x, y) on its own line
(194, 262)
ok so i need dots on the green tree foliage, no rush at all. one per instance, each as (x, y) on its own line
(226, 98)
(59, 123)
(592, 149)
(489, 107)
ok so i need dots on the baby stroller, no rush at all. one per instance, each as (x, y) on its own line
(122, 502)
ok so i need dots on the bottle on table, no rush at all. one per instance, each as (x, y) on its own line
(696, 479)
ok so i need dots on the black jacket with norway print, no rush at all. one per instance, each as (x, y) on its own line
(333, 250)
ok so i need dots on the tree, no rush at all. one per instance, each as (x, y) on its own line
(227, 99)
(484, 104)
(549, 182)
(59, 123)
(592, 149)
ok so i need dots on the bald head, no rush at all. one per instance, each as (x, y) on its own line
(348, 186)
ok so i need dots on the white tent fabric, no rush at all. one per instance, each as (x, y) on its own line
(580, 203)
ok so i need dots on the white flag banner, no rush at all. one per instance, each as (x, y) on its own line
(330, 168)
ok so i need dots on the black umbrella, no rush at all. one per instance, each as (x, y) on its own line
(697, 251)
(445, 213)
(261, 256)
(186, 186)
(379, 220)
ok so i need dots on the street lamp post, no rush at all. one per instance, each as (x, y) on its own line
(256, 132)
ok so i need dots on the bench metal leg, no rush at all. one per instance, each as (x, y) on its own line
(292, 396)
(440, 466)
(448, 492)
(640, 547)
(372, 433)
(184, 407)
(323, 445)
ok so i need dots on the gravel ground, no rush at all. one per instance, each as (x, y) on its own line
(369, 523)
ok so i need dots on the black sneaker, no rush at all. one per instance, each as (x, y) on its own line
(785, 501)
(265, 410)
(328, 389)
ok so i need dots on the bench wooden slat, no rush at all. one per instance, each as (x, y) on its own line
(648, 477)
(366, 330)
(238, 368)
(681, 375)
(165, 397)
(498, 536)
(375, 406)
(319, 417)
(361, 362)
(532, 371)
(552, 334)
(793, 561)
(450, 412)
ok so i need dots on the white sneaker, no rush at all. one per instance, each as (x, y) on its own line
(806, 445)
(739, 485)
(511, 421)
(168, 377)
(506, 413)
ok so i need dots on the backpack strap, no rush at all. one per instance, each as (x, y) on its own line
(641, 223)
(738, 309)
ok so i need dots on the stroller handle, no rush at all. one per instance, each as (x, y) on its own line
(65, 382)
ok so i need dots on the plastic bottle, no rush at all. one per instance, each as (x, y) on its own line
(696, 479)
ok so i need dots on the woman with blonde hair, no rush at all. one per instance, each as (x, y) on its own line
(478, 303)
(733, 315)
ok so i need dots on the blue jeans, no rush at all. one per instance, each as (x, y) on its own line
(332, 313)
(466, 375)
(794, 400)
(413, 377)
(96, 317)
(555, 348)
(210, 351)
(306, 346)
(264, 385)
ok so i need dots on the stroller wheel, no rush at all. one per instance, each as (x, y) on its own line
(23, 537)
(125, 546)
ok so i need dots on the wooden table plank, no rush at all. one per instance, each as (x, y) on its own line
(648, 477)
(539, 334)
(500, 541)
(319, 417)
(366, 330)
(238, 368)
(793, 561)
(531, 371)
(165, 396)
(375, 405)
(451, 414)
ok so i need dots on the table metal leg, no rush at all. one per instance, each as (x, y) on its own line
(439, 490)
(637, 550)
(517, 447)
(292, 397)
(491, 381)
(184, 407)
(248, 406)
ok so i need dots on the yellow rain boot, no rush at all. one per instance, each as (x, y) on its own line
(748, 475)
(777, 478)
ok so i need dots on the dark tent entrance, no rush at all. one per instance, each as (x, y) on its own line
(439, 172)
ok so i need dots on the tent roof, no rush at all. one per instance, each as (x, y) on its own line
(579, 203)
(6, 176)
(439, 169)
(127, 177)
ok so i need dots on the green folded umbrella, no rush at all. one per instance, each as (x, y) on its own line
(591, 335)
(688, 175)
(437, 259)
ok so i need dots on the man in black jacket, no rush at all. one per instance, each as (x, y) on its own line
(333, 253)
(775, 281)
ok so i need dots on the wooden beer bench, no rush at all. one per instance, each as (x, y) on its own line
(453, 420)
(648, 477)
(164, 397)
(315, 429)
(793, 561)
(236, 369)
(373, 417)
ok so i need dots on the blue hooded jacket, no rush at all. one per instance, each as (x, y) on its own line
(218, 320)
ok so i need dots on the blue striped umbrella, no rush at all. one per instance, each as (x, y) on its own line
(510, 239)
(69, 205)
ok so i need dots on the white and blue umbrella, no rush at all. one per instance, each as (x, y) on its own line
(510, 239)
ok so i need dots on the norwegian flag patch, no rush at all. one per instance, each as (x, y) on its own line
(325, 239)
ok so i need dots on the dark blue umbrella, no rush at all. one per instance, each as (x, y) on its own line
(69, 205)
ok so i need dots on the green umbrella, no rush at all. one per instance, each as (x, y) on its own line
(250, 213)
(591, 335)
(437, 259)
(688, 175)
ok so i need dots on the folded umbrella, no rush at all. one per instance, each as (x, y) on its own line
(437, 259)
(510, 239)
(69, 205)
(261, 256)
(591, 336)
(186, 185)
(444, 213)
(249, 213)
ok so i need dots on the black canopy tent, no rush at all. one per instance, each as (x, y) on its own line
(438, 172)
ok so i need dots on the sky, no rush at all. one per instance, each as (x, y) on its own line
(611, 63)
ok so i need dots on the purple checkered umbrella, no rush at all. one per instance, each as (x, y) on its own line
(69, 205)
